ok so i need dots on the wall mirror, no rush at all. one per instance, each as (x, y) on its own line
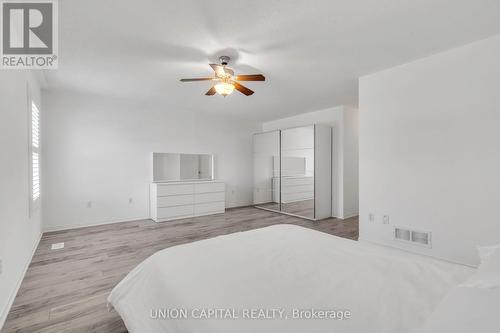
(169, 167)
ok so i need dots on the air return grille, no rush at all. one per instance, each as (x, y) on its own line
(422, 238)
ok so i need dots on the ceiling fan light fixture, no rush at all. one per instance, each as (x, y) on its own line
(225, 80)
(224, 88)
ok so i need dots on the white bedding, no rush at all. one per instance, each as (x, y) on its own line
(466, 310)
(283, 267)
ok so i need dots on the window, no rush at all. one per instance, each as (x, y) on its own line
(35, 155)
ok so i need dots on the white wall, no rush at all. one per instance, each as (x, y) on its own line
(98, 150)
(19, 234)
(430, 150)
(350, 163)
(343, 120)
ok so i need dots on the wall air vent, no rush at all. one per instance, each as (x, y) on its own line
(422, 238)
(57, 246)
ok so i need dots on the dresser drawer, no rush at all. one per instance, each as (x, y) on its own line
(212, 207)
(297, 181)
(175, 200)
(209, 187)
(174, 189)
(292, 197)
(209, 197)
(177, 211)
(298, 188)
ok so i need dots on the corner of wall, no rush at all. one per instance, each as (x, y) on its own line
(5, 311)
(19, 233)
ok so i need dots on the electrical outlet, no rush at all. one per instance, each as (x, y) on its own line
(385, 219)
(89, 204)
(371, 217)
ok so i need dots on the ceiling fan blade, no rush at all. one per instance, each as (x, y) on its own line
(218, 69)
(221, 70)
(198, 79)
(242, 89)
(251, 77)
(211, 92)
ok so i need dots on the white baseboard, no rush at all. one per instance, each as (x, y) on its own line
(12, 297)
(348, 216)
(92, 224)
(362, 239)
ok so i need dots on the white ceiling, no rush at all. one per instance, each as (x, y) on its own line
(311, 52)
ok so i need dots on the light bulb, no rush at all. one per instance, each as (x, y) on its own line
(224, 88)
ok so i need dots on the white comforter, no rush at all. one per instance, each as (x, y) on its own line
(466, 310)
(236, 280)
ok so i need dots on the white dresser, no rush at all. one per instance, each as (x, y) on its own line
(178, 200)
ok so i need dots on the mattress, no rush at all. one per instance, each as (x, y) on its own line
(283, 278)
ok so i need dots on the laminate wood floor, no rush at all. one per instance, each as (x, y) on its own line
(66, 290)
(303, 208)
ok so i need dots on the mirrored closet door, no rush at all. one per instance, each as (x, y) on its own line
(297, 171)
(266, 156)
(292, 171)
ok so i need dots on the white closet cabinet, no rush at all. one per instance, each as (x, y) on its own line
(293, 171)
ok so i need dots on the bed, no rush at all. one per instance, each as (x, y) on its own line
(466, 310)
(283, 278)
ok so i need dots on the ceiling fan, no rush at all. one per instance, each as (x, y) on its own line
(225, 81)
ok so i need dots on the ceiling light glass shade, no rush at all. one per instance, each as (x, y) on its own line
(224, 88)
